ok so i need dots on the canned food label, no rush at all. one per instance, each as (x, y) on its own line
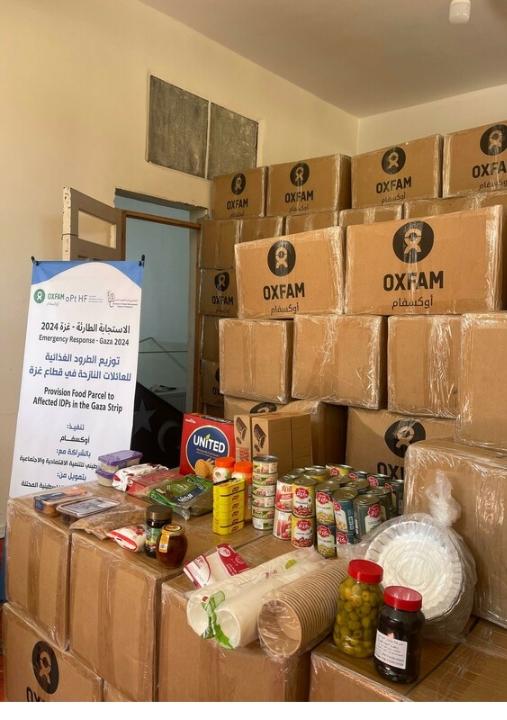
(302, 532)
(373, 517)
(391, 651)
(344, 538)
(324, 508)
(302, 493)
(326, 543)
(373, 481)
(282, 526)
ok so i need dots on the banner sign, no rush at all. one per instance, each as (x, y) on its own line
(79, 371)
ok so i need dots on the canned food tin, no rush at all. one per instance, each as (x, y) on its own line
(386, 503)
(282, 525)
(358, 475)
(324, 511)
(378, 480)
(265, 464)
(396, 487)
(317, 473)
(338, 469)
(302, 530)
(263, 490)
(283, 497)
(296, 472)
(367, 513)
(262, 523)
(345, 538)
(263, 502)
(264, 479)
(264, 513)
(343, 506)
(326, 540)
(361, 486)
(303, 496)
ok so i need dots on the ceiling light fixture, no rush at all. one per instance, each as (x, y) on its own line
(459, 11)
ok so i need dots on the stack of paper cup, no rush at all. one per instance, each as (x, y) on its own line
(265, 475)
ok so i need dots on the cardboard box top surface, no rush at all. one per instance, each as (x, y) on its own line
(337, 157)
(426, 138)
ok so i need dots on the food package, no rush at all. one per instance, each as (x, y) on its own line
(203, 439)
(479, 483)
(310, 221)
(365, 216)
(260, 228)
(239, 195)
(256, 359)
(103, 523)
(130, 537)
(340, 359)
(482, 418)
(217, 566)
(423, 365)
(216, 247)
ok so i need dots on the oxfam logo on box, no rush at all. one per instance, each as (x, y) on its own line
(403, 433)
(206, 442)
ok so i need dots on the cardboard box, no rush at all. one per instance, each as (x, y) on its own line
(209, 338)
(300, 273)
(482, 418)
(260, 228)
(288, 437)
(112, 694)
(340, 359)
(394, 174)
(239, 195)
(377, 440)
(217, 293)
(194, 669)
(216, 246)
(437, 265)
(365, 216)
(115, 601)
(335, 677)
(328, 423)
(256, 359)
(436, 206)
(308, 186)
(310, 221)
(202, 439)
(423, 365)
(36, 670)
(473, 672)
(210, 382)
(478, 479)
(475, 160)
(214, 411)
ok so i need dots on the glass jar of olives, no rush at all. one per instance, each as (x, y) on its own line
(359, 602)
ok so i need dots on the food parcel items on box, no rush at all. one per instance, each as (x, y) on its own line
(256, 359)
(398, 173)
(340, 359)
(423, 365)
(310, 221)
(300, 273)
(365, 216)
(259, 228)
(309, 186)
(217, 293)
(437, 265)
(239, 195)
(475, 160)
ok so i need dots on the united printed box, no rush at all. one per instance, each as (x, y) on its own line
(204, 438)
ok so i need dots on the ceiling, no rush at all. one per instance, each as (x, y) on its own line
(364, 56)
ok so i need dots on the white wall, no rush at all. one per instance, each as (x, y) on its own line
(73, 84)
(442, 116)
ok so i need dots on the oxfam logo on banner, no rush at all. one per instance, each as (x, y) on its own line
(39, 296)
(238, 184)
(393, 160)
(494, 140)
(206, 442)
(403, 433)
(413, 241)
(281, 258)
(45, 667)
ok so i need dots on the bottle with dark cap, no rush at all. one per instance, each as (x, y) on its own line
(156, 517)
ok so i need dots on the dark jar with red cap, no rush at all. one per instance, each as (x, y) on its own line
(398, 641)
(359, 602)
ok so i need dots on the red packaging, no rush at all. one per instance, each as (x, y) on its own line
(204, 438)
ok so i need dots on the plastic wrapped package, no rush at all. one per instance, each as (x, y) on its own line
(482, 418)
(478, 479)
(260, 228)
(309, 186)
(217, 293)
(301, 273)
(294, 618)
(445, 264)
(393, 174)
(310, 221)
(216, 246)
(376, 213)
(423, 365)
(340, 359)
(256, 359)
(474, 160)
(239, 195)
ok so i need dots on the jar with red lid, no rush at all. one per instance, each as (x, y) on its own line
(172, 545)
(359, 601)
(398, 642)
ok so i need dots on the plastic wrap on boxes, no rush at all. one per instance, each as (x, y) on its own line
(365, 216)
(260, 228)
(340, 359)
(216, 246)
(217, 293)
(239, 195)
(482, 418)
(256, 359)
(422, 365)
(310, 221)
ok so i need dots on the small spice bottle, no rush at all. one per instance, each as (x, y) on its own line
(156, 517)
(223, 469)
(398, 642)
(172, 545)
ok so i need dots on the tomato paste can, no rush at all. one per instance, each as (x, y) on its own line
(317, 472)
(343, 506)
(396, 486)
(344, 538)
(302, 531)
(338, 469)
(282, 524)
(303, 496)
(326, 540)
(324, 511)
(385, 499)
(262, 523)
(367, 514)
(377, 479)
(283, 497)
(265, 464)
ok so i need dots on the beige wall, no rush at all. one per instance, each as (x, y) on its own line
(442, 116)
(73, 89)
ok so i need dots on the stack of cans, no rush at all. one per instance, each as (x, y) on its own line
(229, 506)
(264, 477)
(303, 506)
